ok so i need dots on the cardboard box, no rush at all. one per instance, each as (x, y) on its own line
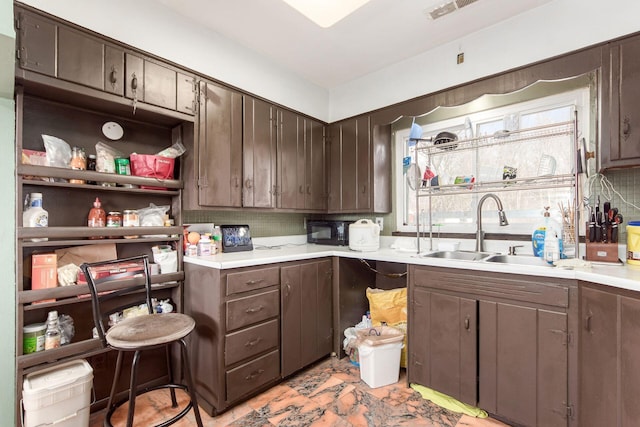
(121, 270)
(43, 273)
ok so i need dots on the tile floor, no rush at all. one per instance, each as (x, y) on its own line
(328, 394)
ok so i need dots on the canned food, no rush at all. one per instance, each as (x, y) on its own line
(122, 166)
(114, 219)
(130, 218)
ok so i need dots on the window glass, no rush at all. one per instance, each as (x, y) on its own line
(455, 170)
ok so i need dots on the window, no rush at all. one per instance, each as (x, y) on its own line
(456, 211)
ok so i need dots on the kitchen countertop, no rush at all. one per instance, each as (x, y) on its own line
(622, 276)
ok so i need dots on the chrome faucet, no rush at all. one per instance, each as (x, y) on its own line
(501, 215)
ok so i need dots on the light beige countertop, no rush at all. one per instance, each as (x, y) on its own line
(294, 248)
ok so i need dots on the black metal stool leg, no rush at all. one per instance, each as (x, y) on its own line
(133, 386)
(187, 376)
(112, 394)
(167, 350)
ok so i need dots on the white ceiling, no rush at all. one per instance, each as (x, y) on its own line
(379, 34)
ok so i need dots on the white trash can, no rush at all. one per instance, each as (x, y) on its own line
(380, 364)
(60, 395)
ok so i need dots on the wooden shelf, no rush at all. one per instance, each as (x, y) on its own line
(29, 171)
(83, 348)
(71, 235)
(65, 293)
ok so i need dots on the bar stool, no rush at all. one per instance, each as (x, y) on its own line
(119, 281)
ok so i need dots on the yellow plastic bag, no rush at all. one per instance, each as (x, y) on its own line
(389, 306)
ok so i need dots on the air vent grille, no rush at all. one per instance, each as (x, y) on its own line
(447, 8)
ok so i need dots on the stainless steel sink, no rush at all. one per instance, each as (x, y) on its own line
(518, 260)
(459, 255)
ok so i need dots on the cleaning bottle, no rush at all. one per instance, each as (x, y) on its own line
(97, 217)
(538, 235)
(35, 215)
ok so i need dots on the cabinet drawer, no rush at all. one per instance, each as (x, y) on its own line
(252, 309)
(533, 289)
(252, 279)
(250, 376)
(251, 341)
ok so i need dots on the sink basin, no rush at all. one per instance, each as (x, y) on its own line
(518, 260)
(458, 255)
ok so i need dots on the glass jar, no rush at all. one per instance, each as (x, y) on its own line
(130, 218)
(78, 162)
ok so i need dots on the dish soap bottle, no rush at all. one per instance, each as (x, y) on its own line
(97, 217)
(538, 235)
(35, 215)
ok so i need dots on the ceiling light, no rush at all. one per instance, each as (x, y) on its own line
(325, 13)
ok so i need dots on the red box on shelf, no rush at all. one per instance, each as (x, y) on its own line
(44, 273)
(152, 166)
(121, 270)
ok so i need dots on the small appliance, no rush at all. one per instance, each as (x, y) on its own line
(364, 235)
(328, 232)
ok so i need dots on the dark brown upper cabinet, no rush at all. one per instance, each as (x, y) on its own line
(359, 166)
(158, 84)
(620, 144)
(214, 166)
(259, 154)
(90, 68)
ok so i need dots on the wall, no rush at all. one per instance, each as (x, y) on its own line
(8, 223)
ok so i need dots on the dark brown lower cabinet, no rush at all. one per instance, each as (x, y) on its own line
(307, 332)
(610, 356)
(500, 342)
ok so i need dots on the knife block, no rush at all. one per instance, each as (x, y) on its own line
(603, 252)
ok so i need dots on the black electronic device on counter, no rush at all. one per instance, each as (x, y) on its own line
(236, 238)
(328, 232)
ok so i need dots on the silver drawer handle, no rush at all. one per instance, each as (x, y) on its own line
(252, 342)
(254, 282)
(254, 374)
(254, 310)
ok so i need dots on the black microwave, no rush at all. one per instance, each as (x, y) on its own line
(328, 232)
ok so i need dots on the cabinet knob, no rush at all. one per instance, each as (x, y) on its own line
(248, 184)
(254, 374)
(113, 76)
(467, 323)
(364, 189)
(301, 190)
(626, 128)
(309, 189)
(134, 81)
(587, 322)
(252, 342)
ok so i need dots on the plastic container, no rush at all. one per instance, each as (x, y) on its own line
(633, 242)
(35, 215)
(60, 395)
(33, 338)
(380, 364)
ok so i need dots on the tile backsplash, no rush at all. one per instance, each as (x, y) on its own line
(625, 182)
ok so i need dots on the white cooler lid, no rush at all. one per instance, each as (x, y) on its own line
(57, 376)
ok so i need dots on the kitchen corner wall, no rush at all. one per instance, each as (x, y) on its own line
(267, 224)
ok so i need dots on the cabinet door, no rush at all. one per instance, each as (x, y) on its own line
(334, 169)
(290, 317)
(259, 154)
(349, 170)
(324, 301)
(290, 144)
(36, 43)
(443, 348)
(629, 360)
(363, 164)
(315, 166)
(219, 147)
(307, 332)
(622, 148)
(80, 58)
(114, 70)
(523, 364)
(598, 364)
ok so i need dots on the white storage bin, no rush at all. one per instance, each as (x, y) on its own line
(380, 364)
(59, 395)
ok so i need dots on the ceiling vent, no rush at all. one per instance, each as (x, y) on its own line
(447, 8)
